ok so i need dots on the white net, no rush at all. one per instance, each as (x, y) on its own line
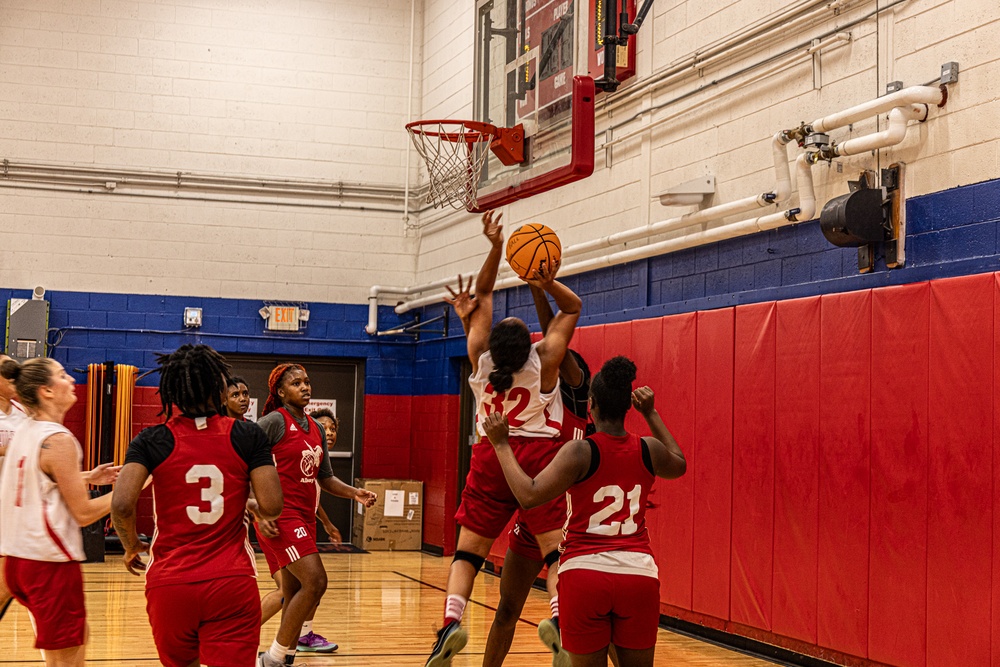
(454, 153)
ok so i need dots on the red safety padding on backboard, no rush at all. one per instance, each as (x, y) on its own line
(675, 498)
(897, 590)
(753, 465)
(960, 465)
(796, 467)
(713, 474)
(844, 468)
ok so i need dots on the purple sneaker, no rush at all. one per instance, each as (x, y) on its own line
(313, 643)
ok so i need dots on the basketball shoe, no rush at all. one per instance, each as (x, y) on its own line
(313, 643)
(548, 632)
(451, 639)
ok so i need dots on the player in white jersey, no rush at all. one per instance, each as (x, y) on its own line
(510, 376)
(11, 416)
(43, 503)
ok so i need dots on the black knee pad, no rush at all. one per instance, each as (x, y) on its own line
(552, 557)
(473, 559)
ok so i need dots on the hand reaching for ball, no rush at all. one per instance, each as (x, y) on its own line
(544, 274)
(492, 229)
(463, 302)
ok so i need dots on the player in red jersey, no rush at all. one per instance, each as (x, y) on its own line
(299, 448)
(237, 398)
(201, 580)
(524, 560)
(512, 376)
(608, 578)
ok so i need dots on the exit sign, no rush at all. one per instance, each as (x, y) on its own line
(283, 318)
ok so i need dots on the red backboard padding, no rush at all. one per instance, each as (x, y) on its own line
(960, 471)
(844, 469)
(796, 472)
(753, 466)
(897, 593)
(712, 476)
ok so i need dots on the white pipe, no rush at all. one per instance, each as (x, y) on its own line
(899, 119)
(376, 290)
(782, 191)
(912, 95)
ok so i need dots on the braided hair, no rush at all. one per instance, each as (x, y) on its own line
(274, 381)
(510, 345)
(611, 388)
(193, 378)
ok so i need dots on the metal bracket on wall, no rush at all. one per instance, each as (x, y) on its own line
(415, 327)
(895, 248)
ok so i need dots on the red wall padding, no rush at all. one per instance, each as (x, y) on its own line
(844, 469)
(753, 466)
(433, 437)
(897, 593)
(796, 472)
(387, 438)
(712, 476)
(960, 471)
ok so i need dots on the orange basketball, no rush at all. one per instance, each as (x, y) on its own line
(529, 246)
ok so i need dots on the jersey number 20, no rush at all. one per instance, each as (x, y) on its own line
(211, 494)
(617, 495)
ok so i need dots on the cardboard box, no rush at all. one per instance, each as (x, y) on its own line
(395, 522)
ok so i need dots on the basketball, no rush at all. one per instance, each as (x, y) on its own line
(529, 246)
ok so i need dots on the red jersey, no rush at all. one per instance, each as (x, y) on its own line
(201, 481)
(298, 455)
(607, 511)
(573, 427)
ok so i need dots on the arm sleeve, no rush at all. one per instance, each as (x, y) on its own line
(151, 447)
(252, 444)
(273, 426)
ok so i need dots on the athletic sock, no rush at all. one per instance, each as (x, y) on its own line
(307, 627)
(554, 606)
(277, 651)
(289, 656)
(454, 607)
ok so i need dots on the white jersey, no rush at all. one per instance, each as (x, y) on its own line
(530, 413)
(9, 424)
(35, 522)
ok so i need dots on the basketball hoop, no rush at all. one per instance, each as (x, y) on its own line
(455, 152)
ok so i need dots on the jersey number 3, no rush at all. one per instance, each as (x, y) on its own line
(617, 495)
(210, 495)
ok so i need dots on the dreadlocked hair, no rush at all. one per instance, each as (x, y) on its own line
(193, 378)
(274, 381)
(510, 345)
(611, 388)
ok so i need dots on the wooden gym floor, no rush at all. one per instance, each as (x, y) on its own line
(382, 608)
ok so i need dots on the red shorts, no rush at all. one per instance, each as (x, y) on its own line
(216, 622)
(53, 593)
(296, 539)
(523, 543)
(487, 501)
(599, 608)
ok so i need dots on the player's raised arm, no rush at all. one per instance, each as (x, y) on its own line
(569, 370)
(569, 465)
(481, 319)
(552, 348)
(666, 455)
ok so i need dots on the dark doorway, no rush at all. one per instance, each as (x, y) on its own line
(332, 380)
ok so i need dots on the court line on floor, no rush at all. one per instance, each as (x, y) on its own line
(475, 602)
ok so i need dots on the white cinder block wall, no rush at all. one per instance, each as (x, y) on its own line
(318, 91)
(269, 89)
(726, 129)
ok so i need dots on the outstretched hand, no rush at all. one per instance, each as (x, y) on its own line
(462, 301)
(102, 475)
(492, 229)
(365, 497)
(496, 428)
(642, 399)
(544, 275)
